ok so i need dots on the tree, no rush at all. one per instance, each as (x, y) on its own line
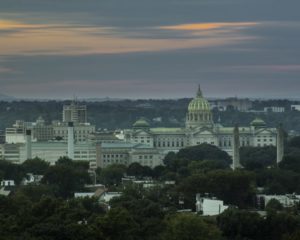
(189, 227)
(35, 192)
(205, 166)
(258, 157)
(278, 181)
(277, 225)
(292, 236)
(144, 208)
(202, 152)
(159, 171)
(11, 171)
(66, 179)
(240, 224)
(35, 166)
(291, 162)
(294, 142)
(274, 205)
(233, 187)
(112, 174)
(118, 224)
(139, 171)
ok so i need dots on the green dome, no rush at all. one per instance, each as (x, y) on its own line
(141, 123)
(258, 122)
(199, 103)
(199, 113)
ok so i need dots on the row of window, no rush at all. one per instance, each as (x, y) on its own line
(141, 137)
(112, 155)
(76, 132)
(169, 144)
(265, 140)
(229, 143)
(108, 161)
(142, 141)
(145, 157)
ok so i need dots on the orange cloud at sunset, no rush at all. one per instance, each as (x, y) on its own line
(64, 39)
(207, 26)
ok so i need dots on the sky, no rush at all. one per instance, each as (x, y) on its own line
(149, 49)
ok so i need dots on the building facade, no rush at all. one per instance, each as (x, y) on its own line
(199, 129)
(75, 113)
(141, 143)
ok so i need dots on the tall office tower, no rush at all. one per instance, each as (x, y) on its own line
(75, 113)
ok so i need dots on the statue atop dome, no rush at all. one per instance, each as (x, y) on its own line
(199, 92)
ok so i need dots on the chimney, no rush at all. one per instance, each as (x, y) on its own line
(28, 145)
(70, 140)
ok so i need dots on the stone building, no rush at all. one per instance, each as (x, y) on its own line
(200, 128)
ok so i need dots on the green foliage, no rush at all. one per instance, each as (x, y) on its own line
(274, 205)
(35, 166)
(294, 142)
(159, 172)
(291, 162)
(139, 171)
(11, 171)
(35, 192)
(258, 157)
(112, 174)
(196, 159)
(145, 208)
(118, 224)
(66, 177)
(234, 187)
(278, 181)
(205, 166)
(240, 224)
(47, 218)
(203, 152)
(189, 227)
(292, 236)
(280, 224)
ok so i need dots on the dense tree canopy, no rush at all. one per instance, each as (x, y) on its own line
(189, 227)
(48, 210)
(258, 157)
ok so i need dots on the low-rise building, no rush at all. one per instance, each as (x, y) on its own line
(295, 107)
(287, 200)
(274, 109)
(209, 206)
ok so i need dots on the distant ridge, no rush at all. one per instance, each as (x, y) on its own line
(7, 98)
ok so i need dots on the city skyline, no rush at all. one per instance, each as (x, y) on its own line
(142, 49)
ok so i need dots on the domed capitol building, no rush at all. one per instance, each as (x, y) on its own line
(142, 143)
(199, 128)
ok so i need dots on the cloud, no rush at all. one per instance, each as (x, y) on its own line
(6, 70)
(53, 39)
(209, 26)
(142, 48)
